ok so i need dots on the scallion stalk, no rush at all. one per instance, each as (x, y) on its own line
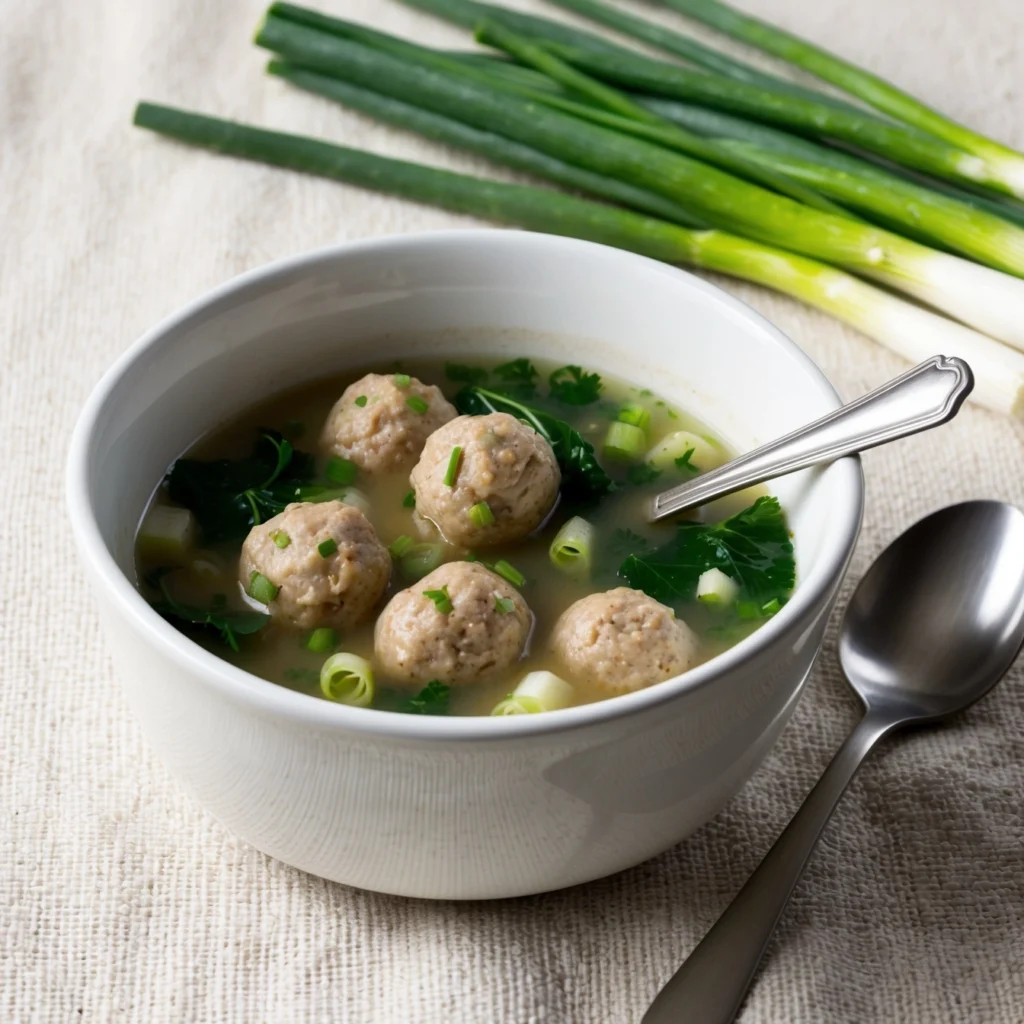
(635, 414)
(572, 550)
(506, 570)
(714, 587)
(416, 561)
(538, 691)
(480, 515)
(261, 589)
(322, 640)
(347, 679)
(451, 474)
(624, 442)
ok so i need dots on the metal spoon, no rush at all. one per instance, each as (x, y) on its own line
(922, 398)
(932, 627)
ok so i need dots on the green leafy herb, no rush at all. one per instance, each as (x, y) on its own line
(341, 471)
(417, 404)
(327, 547)
(462, 374)
(627, 542)
(518, 379)
(441, 600)
(642, 473)
(574, 386)
(582, 475)
(230, 496)
(753, 547)
(229, 624)
(433, 699)
(361, 401)
(303, 676)
(684, 463)
(409, 501)
(504, 605)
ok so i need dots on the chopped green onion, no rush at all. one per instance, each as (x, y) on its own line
(624, 442)
(717, 588)
(480, 515)
(409, 501)
(341, 471)
(420, 559)
(322, 640)
(327, 547)
(166, 533)
(771, 607)
(686, 451)
(361, 401)
(635, 414)
(441, 600)
(452, 472)
(347, 679)
(402, 380)
(538, 691)
(506, 570)
(281, 539)
(748, 610)
(261, 589)
(400, 545)
(417, 404)
(572, 549)
(504, 605)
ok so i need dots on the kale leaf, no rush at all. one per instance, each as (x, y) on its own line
(753, 547)
(582, 475)
(431, 700)
(574, 386)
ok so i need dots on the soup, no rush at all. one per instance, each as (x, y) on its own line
(459, 539)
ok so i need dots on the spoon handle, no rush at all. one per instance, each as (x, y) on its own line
(924, 397)
(713, 980)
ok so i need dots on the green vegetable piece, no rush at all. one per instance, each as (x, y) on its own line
(433, 699)
(402, 380)
(361, 401)
(574, 386)
(327, 547)
(441, 600)
(463, 374)
(635, 414)
(400, 545)
(420, 559)
(509, 572)
(281, 539)
(684, 463)
(417, 404)
(504, 605)
(341, 471)
(642, 474)
(322, 640)
(451, 474)
(261, 589)
(347, 679)
(518, 378)
(409, 501)
(572, 550)
(771, 607)
(624, 442)
(480, 515)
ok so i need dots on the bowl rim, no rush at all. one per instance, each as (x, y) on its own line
(269, 697)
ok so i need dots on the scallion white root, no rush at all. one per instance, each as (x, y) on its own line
(538, 691)
(347, 679)
(714, 587)
(572, 550)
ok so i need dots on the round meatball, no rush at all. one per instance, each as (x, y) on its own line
(326, 561)
(623, 640)
(504, 463)
(385, 432)
(485, 631)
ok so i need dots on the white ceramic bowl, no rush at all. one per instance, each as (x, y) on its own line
(456, 807)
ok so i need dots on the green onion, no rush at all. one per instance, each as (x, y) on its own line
(506, 570)
(420, 559)
(538, 691)
(400, 545)
(361, 401)
(341, 471)
(635, 414)
(624, 442)
(261, 589)
(715, 587)
(281, 539)
(347, 679)
(748, 610)
(452, 472)
(480, 515)
(322, 640)
(572, 549)
(504, 605)
(409, 501)
(907, 329)
(167, 533)
(771, 607)
(441, 600)
(996, 165)
(417, 404)
(327, 547)
(402, 380)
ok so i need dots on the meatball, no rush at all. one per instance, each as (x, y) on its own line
(387, 431)
(504, 463)
(623, 640)
(485, 631)
(326, 561)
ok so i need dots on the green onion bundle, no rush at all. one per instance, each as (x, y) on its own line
(700, 159)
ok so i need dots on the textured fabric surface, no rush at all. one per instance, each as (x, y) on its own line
(121, 901)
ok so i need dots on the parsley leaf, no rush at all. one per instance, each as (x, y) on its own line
(627, 542)
(642, 473)
(575, 386)
(753, 547)
(433, 699)
(518, 378)
(684, 463)
(463, 374)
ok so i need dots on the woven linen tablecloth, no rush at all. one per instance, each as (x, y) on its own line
(120, 900)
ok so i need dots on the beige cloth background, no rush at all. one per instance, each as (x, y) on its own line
(121, 901)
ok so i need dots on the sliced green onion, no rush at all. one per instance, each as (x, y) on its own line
(624, 442)
(402, 380)
(504, 605)
(506, 570)
(572, 549)
(480, 515)
(167, 533)
(341, 471)
(715, 587)
(748, 610)
(420, 559)
(322, 640)
(771, 607)
(417, 404)
(261, 589)
(441, 600)
(400, 545)
(281, 539)
(636, 414)
(538, 691)
(327, 547)
(452, 472)
(361, 401)
(347, 679)
(685, 451)
(409, 501)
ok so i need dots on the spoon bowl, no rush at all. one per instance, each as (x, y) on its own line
(939, 617)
